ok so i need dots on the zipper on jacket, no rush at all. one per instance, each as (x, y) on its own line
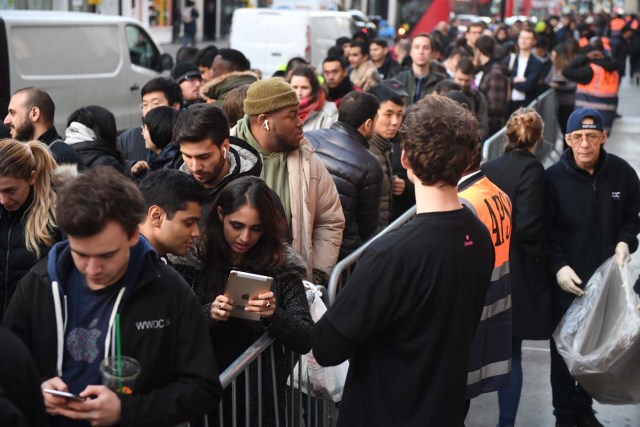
(6, 270)
(595, 206)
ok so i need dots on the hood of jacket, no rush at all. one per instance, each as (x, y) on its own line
(59, 266)
(166, 157)
(60, 263)
(220, 86)
(243, 160)
(77, 132)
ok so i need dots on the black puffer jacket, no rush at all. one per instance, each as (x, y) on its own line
(358, 178)
(15, 259)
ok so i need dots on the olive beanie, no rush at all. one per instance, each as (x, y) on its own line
(265, 96)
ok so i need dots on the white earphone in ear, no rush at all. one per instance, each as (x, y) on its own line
(266, 124)
(224, 153)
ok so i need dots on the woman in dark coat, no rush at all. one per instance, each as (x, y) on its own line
(92, 133)
(519, 174)
(27, 211)
(246, 231)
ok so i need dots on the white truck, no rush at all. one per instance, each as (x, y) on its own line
(271, 37)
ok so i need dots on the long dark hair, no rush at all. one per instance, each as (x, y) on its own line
(267, 253)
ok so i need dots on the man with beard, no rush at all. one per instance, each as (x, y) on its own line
(188, 76)
(210, 154)
(30, 117)
(335, 70)
(273, 127)
(463, 76)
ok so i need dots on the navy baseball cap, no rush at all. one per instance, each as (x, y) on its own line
(575, 120)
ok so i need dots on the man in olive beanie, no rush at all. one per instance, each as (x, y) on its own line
(291, 168)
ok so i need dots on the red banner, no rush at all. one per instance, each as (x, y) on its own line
(438, 11)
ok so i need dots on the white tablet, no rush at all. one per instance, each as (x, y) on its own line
(241, 287)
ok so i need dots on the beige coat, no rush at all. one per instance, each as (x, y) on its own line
(317, 221)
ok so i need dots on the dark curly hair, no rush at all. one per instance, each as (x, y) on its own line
(439, 137)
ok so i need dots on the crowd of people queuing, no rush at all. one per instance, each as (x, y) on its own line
(127, 240)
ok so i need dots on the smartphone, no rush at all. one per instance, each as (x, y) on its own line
(65, 395)
(241, 287)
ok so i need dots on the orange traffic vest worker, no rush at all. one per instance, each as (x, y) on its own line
(490, 360)
(615, 26)
(601, 93)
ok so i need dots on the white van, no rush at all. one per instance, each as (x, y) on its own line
(80, 59)
(271, 37)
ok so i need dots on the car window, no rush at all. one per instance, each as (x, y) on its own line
(142, 50)
(95, 50)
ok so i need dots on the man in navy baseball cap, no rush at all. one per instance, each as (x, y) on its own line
(585, 136)
(575, 121)
(594, 201)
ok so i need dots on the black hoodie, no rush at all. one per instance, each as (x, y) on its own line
(161, 327)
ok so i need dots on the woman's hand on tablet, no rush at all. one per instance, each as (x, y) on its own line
(221, 308)
(263, 304)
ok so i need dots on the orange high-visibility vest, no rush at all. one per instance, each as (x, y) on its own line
(615, 26)
(600, 93)
(489, 361)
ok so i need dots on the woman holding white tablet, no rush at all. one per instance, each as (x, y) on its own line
(247, 231)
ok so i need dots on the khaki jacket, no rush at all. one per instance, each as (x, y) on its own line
(317, 221)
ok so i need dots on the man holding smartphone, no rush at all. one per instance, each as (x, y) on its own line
(64, 310)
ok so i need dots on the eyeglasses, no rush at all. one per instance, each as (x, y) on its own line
(590, 137)
(152, 104)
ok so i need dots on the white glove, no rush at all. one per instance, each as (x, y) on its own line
(622, 253)
(568, 281)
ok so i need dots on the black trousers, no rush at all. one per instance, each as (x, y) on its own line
(570, 400)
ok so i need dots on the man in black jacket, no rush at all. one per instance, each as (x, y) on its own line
(65, 310)
(344, 149)
(594, 201)
(158, 92)
(30, 116)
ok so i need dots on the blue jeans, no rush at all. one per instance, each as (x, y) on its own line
(509, 397)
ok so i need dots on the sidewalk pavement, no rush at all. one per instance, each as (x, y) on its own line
(535, 404)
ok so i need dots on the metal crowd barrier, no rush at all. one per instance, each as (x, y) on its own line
(549, 151)
(301, 409)
(318, 412)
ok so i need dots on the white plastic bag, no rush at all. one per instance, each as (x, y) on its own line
(319, 381)
(599, 336)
